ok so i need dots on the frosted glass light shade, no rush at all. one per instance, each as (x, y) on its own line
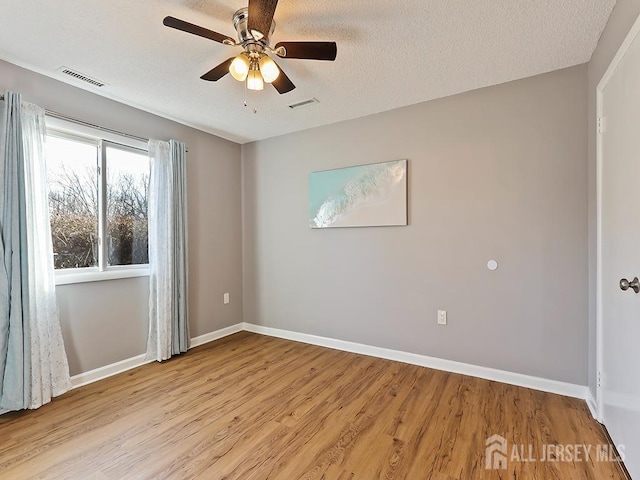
(255, 81)
(269, 69)
(239, 68)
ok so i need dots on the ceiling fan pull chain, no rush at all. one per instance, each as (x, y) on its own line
(245, 103)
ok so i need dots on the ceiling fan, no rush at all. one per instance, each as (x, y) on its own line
(254, 26)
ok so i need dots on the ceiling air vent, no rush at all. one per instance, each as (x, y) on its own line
(81, 77)
(304, 103)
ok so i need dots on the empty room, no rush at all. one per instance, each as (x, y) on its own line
(262, 239)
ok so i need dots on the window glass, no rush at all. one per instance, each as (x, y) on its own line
(127, 187)
(72, 177)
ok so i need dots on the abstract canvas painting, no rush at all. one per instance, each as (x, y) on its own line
(362, 196)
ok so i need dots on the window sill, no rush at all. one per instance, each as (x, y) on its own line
(93, 275)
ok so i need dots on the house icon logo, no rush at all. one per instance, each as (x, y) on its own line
(496, 453)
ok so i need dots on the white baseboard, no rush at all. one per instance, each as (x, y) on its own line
(139, 360)
(210, 337)
(536, 383)
(108, 370)
(545, 385)
(592, 404)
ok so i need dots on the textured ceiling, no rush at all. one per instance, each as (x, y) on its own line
(390, 54)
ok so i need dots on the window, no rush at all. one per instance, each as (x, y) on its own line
(126, 213)
(72, 172)
(98, 186)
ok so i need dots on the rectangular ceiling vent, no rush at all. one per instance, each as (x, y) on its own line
(304, 103)
(81, 77)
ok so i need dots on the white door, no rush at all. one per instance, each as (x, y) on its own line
(619, 250)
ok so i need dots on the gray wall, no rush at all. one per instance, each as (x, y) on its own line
(498, 173)
(105, 322)
(620, 22)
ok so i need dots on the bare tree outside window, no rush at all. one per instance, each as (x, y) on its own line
(72, 173)
(127, 188)
(73, 180)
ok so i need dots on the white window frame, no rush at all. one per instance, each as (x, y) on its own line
(101, 139)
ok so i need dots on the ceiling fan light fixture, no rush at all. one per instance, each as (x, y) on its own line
(239, 68)
(255, 65)
(268, 69)
(255, 80)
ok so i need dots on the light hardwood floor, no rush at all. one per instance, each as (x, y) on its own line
(253, 407)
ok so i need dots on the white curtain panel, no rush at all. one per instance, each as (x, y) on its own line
(31, 346)
(49, 365)
(168, 310)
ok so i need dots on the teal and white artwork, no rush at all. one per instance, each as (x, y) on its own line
(362, 196)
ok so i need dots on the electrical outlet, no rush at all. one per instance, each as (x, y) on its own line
(442, 317)
(226, 298)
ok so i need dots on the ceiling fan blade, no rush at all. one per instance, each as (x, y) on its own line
(283, 84)
(216, 73)
(261, 14)
(196, 30)
(308, 50)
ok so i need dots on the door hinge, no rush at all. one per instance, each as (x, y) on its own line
(599, 379)
(602, 124)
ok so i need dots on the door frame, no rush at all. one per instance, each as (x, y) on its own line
(600, 127)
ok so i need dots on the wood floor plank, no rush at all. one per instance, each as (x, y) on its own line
(252, 407)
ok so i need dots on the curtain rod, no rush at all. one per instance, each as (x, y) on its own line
(61, 116)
